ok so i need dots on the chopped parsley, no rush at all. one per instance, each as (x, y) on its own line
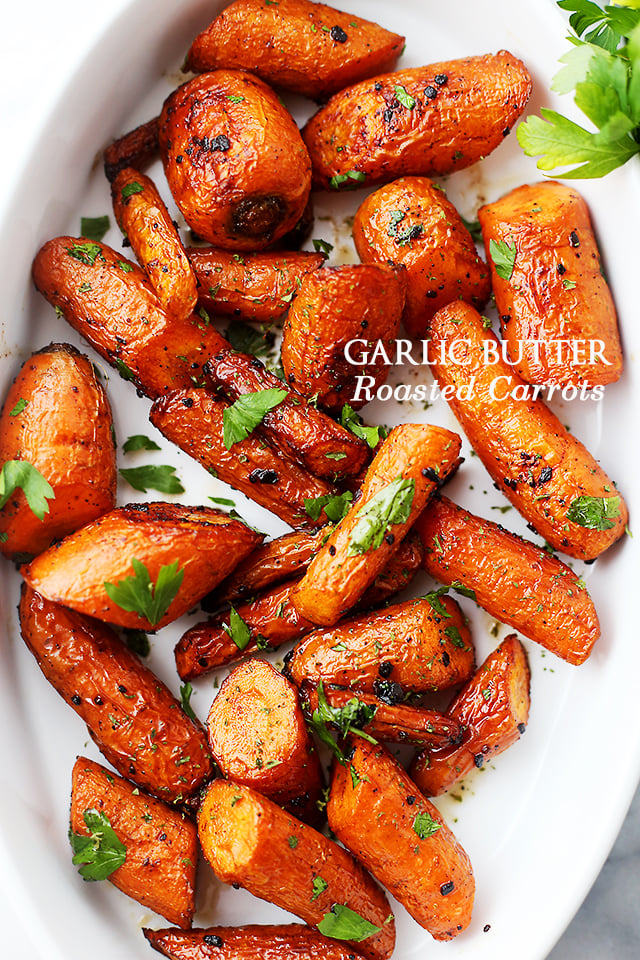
(596, 513)
(138, 594)
(99, 854)
(20, 474)
(391, 505)
(243, 416)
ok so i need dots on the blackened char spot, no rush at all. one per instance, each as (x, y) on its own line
(263, 476)
(388, 691)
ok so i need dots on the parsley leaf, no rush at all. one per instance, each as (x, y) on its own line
(390, 505)
(343, 923)
(474, 228)
(238, 630)
(86, 253)
(596, 513)
(348, 719)
(371, 435)
(130, 189)
(153, 477)
(186, 689)
(319, 887)
(403, 97)
(246, 339)
(137, 641)
(23, 475)
(336, 506)
(610, 23)
(343, 179)
(100, 853)
(94, 228)
(19, 407)
(424, 825)
(322, 246)
(410, 233)
(243, 416)
(503, 255)
(138, 594)
(139, 442)
(434, 601)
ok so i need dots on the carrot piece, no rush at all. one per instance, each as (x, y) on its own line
(409, 465)
(556, 293)
(109, 301)
(256, 286)
(132, 716)
(544, 471)
(205, 544)
(251, 942)
(133, 149)
(146, 222)
(57, 418)
(250, 841)
(378, 813)
(194, 421)
(309, 48)
(411, 223)
(513, 580)
(407, 646)
(493, 709)
(161, 844)
(454, 113)
(258, 737)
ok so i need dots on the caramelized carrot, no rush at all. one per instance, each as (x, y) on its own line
(133, 149)
(252, 942)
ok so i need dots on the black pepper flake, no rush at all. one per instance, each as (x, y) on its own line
(76, 700)
(562, 269)
(337, 33)
(389, 538)
(411, 800)
(179, 158)
(486, 928)
(122, 688)
(446, 659)
(98, 700)
(521, 728)
(332, 550)
(203, 661)
(432, 294)
(545, 475)
(441, 79)
(387, 116)
(220, 143)
(506, 131)
(162, 836)
(430, 93)
(263, 476)
(126, 242)
(187, 401)
(385, 669)
(377, 85)
(574, 239)
(447, 888)
(236, 886)
(212, 940)
(478, 759)
(512, 484)
(388, 691)
(430, 474)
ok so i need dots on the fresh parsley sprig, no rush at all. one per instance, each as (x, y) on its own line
(152, 476)
(249, 410)
(353, 422)
(348, 719)
(335, 506)
(20, 474)
(139, 594)
(99, 854)
(390, 505)
(343, 923)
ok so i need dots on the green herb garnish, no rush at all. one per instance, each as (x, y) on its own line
(94, 228)
(503, 255)
(20, 474)
(342, 179)
(322, 246)
(138, 594)
(391, 505)
(139, 442)
(336, 506)
(596, 513)
(86, 253)
(246, 339)
(371, 435)
(153, 477)
(130, 189)
(343, 923)
(238, 630)
(186, 691)
(243, 416)
(19, 407)
(403, 97)
(424, 825)
(319, 887)
(102, 852)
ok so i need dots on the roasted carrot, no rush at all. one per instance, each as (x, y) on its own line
(109, 301)
(493, 709)
(250, 841)
(557, 316)
(256, 941)
(334, 307)
(409, 646)
(258, 737)
(378, 813)
(134, 149)
(416, 122)
(545, 472)
(147, 224)
(78, 572)
(302, 432)
(159, 870)
(512, 579)
(234, 160)
(133, 718)
(409, 465)
(57, 419)
(256, 286)
(193, 420)
(411, 223)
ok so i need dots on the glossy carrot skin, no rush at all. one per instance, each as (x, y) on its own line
(493, 708)
(161, 844)
(556, 290)
(429, 240)
(307, 435)
(111, 304)
(147, 224)
(406, 647)
(234, 160)
(539, 466)
(334, 306)
(516, 582)
(462, 110)
(134, 149)
(193, 420)
(252, 942)
(204, 543)
(337, 577)
(64, 430)
(431, 877)
(132, 716)
(258, 737)
(256, 286)
(250, 841)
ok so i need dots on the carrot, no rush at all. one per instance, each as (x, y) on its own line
(133, 149)
(493, 709)
(133, 718)
(250, 942)
(159, 870)
(411, 223)
(422, 121)
(306, 47)
(334, 307)
(558, 319)
(57, 418)
(404, 473)
(544, 471)
(110, 303)
(513, 580)
(378, 813)
(250, 841)
(82, 571)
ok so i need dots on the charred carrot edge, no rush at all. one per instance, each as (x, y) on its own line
(406, 647)
(134, 149)
(144, 219)
(258, 737)
(134, 719)
(410, 849)
(279, 859)
(420, 456)
(493, 708)
(253, 940)
(193, 420)
(161, 844)
(539, 466)
(516, 582)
